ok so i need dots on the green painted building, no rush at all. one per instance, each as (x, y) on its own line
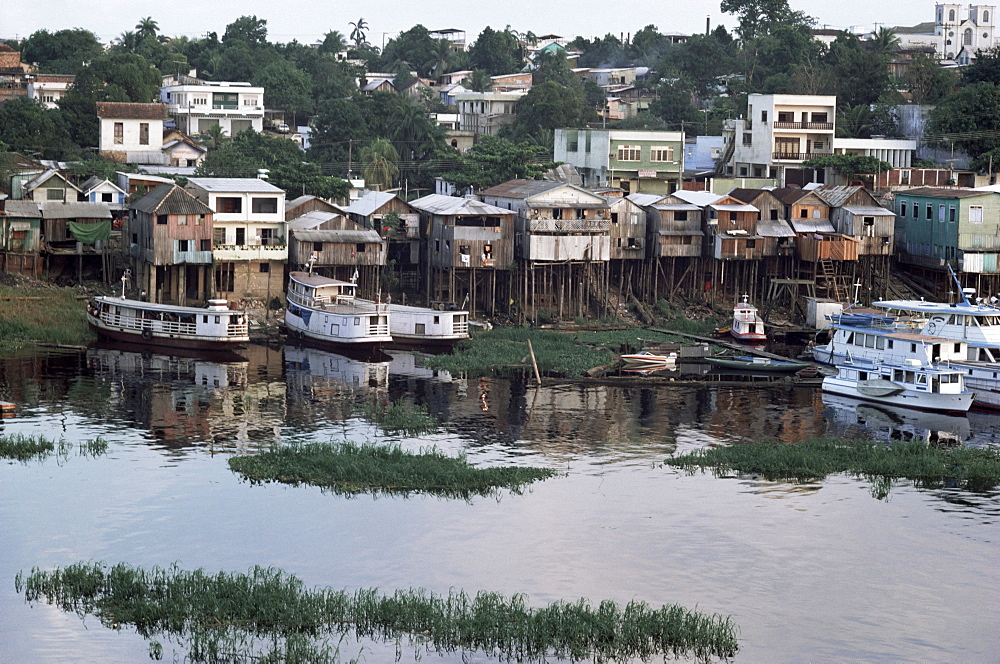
(936, 226)
(649, 162)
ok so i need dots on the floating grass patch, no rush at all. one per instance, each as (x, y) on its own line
(977, 469)
(347, 468)
(42, 314)
(232, 614)
(403, 416)
(20, 447)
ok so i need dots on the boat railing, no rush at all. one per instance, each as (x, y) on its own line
(337, 304)
(238, 329)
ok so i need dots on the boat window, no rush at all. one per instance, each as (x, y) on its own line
(909, 376)
(850, 338)
(204, 319)
(217, 320)
(862, 375)
(437, 319)
(357, 320)
(935, 384)
(958, 348)
(897, 374)
(913, 348)
(890, 344)
(880, 343)
(921, 379)
(869, 341)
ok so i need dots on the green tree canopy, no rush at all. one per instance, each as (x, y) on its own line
(927, 81)
(494, 160)
(378, 163)
(498, 52)
(61, 52)
(969, 119)
(26, 126)
(250, 30)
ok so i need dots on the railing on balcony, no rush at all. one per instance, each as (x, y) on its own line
(250, 251)
(569, 225)
(826, 126)
(799, 156)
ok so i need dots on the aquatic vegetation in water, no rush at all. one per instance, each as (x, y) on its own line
(403, 416)
(347, 468)
(233, 616)
(977, 469)
(20, 447)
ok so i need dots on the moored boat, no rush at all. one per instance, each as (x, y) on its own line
(325, 311)
(747, 324)
(645, 357)
(213, 327)
(754, 363)
(422, 327)
(931, 387)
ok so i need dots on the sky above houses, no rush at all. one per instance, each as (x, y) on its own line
(308, 20)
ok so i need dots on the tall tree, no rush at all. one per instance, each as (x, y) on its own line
(61, 52)
(27, 127)
(333, 42)
(969, 119)
(759, 17)
(147, 27)
(927, 81)
(498, 52)
(378, 163)
(359, 32)
(494, 160)
(250, 30)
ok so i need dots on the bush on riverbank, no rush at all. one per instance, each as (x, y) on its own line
(348, 468)
(268, 615)
(977, 469)
(42, 314)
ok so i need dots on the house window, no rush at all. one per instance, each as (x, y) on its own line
(267, 237)
(359, 247)
(952, 213)
(804, 213)
(661, 153)
(200, 221)
(751, 244)
(774, 215)
(265, 267)
(143, 133)
(317, 247)
(119, 133)
(902, 208)
(975, 214)
(629, 153)
(206, 244)
(264, 205)
(930, 211)
(182, 220)
(182, 245)
(747, 138)
(229, 204)
(161, 219)
(681, 215)
(763, 116)
(916, 210)
(940, 213)
(55, 194)
(107, 198)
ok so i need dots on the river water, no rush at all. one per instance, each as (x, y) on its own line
(821, 572)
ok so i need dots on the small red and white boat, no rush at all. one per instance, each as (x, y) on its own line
(645, 359)
(747, 323)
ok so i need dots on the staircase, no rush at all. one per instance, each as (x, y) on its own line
(826, 275)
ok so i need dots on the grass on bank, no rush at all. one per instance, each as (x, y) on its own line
(55, 317)
(347, 468)
(230, 616)
(977, 469)
(504, 351)
(20, 447)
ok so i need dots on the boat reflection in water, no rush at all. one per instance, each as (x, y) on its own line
(888, 423)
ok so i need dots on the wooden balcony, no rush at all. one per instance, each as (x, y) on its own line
(823, 126)
(829, 248)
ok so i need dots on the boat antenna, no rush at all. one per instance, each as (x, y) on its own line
(124, 280)
(857, 288)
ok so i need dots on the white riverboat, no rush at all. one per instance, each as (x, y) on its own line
(214, 327)
(747, 324)
(931, 387)
(326, 311)
(422, 327)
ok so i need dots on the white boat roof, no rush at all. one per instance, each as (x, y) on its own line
(155, 306)
(316, 281)
(939, 307)
(904, 335)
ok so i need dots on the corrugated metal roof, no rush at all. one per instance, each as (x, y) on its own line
(692, 232)
(47, 175)
(699, 198)
(746, 195)
(790, 195)
(522, 188)
(645, 200)
(311, 220)
(677, 206)
(730, 207)
(869, 210)
(944, 192)
(170, 199)
(251, 185)
(60, 210)
(369, 203)
(22, 209)
(345, 237)
(774, 228)
(95, 182)
(812, 226)
(837, 195)
(452, 205)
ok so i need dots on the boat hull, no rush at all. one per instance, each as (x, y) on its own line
(215, 327)
(159, 340)
(928, 401)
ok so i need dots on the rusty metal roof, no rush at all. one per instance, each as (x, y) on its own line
(170, 199)
(454, 206)
(523, 188)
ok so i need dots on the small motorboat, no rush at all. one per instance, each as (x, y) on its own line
(747, 324)
(646, 358)
(748, 363)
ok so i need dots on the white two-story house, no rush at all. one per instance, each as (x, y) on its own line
(196, 105)
(131, 133)
(250, 245)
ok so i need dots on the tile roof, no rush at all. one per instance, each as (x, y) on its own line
(131, 111)
(170, 199)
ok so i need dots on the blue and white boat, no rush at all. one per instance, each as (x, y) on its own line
(325, 311)
(912, 384)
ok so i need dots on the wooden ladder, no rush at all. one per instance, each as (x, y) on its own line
(828, 274)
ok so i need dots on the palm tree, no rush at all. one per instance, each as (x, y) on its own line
(884, 42)
(358, 33)
(129, 41)
(378, 163)
(212, 138)
(333, 42)
(440, 58)
(147, 27)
